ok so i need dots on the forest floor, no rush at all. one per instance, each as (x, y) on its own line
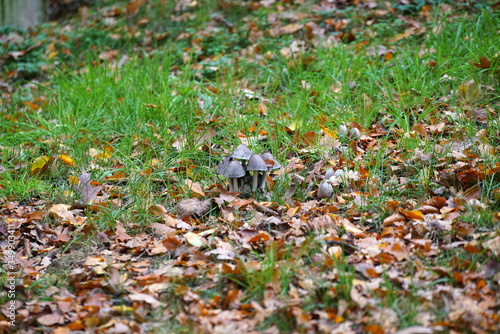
(115, 118)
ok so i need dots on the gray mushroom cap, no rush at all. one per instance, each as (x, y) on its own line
(241, 152)
(234, 169)
(325, 190)
(221, 167)
(256, 163)
(269, 156)
(342, 129)
(329, 173)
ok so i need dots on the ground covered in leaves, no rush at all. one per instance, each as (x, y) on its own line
(113, 121)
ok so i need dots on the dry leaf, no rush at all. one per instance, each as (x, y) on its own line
(194, 239)
(193, 207)
(194, 187)
(84, 188)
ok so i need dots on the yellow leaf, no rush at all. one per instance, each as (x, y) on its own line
(52, 55)
(67, 159)
(327, 131)
(414, 214)
(39, 164)
(122, 308)
(193, 239)
(73, 179)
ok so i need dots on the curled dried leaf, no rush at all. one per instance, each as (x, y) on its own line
(193, 207)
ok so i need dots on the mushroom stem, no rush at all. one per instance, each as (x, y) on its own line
(235, 186)
(255, 180)
(231, 184)
(262, 184)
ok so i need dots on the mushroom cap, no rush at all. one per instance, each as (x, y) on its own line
(329, 173)
(241, 152)
(221, 167)
(269, 156)
(342, 129)
(256, 163)
(234, 169)
(354, 133)
(325, 190)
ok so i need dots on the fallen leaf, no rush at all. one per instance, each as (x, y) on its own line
(142, 297)
(67, 160)
(84, 188)
(193, 207)
(193, 239)
(39, 164)
(194, 187)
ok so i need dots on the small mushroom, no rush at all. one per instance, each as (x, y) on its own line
(241, 152)
(325, 190)
(354, 133)
(339, 173)
(329, 173)
(234, 171)
(256, 164)
(268, 156)
(342, 129)
(221, 167)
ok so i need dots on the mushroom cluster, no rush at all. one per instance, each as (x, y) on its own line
(241, 162)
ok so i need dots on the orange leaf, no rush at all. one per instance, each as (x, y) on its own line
(415, 214)
(327, 131)
(171, 243)
(374, 329)
(310, 138)
(262, 236)
(194, 187)
(67, 159)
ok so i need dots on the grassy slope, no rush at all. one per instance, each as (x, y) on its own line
(167, 109)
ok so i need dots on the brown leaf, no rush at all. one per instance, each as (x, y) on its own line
(194, 187)
(84, 188)
(437, 202)
(396, 217)
(193, 207)
(145, 298)
(134, 6)
(484, 63)
(398, 250)
(63, 237)
(121, 235)
(158, 210)
(50, 319)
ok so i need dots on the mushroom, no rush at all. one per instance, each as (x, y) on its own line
(342, 129)
(241, 152)
(268, 156)
(221, 167)
(329, 173)
(234, 171)
(325, 190)
(256, 164)
(354, 133)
